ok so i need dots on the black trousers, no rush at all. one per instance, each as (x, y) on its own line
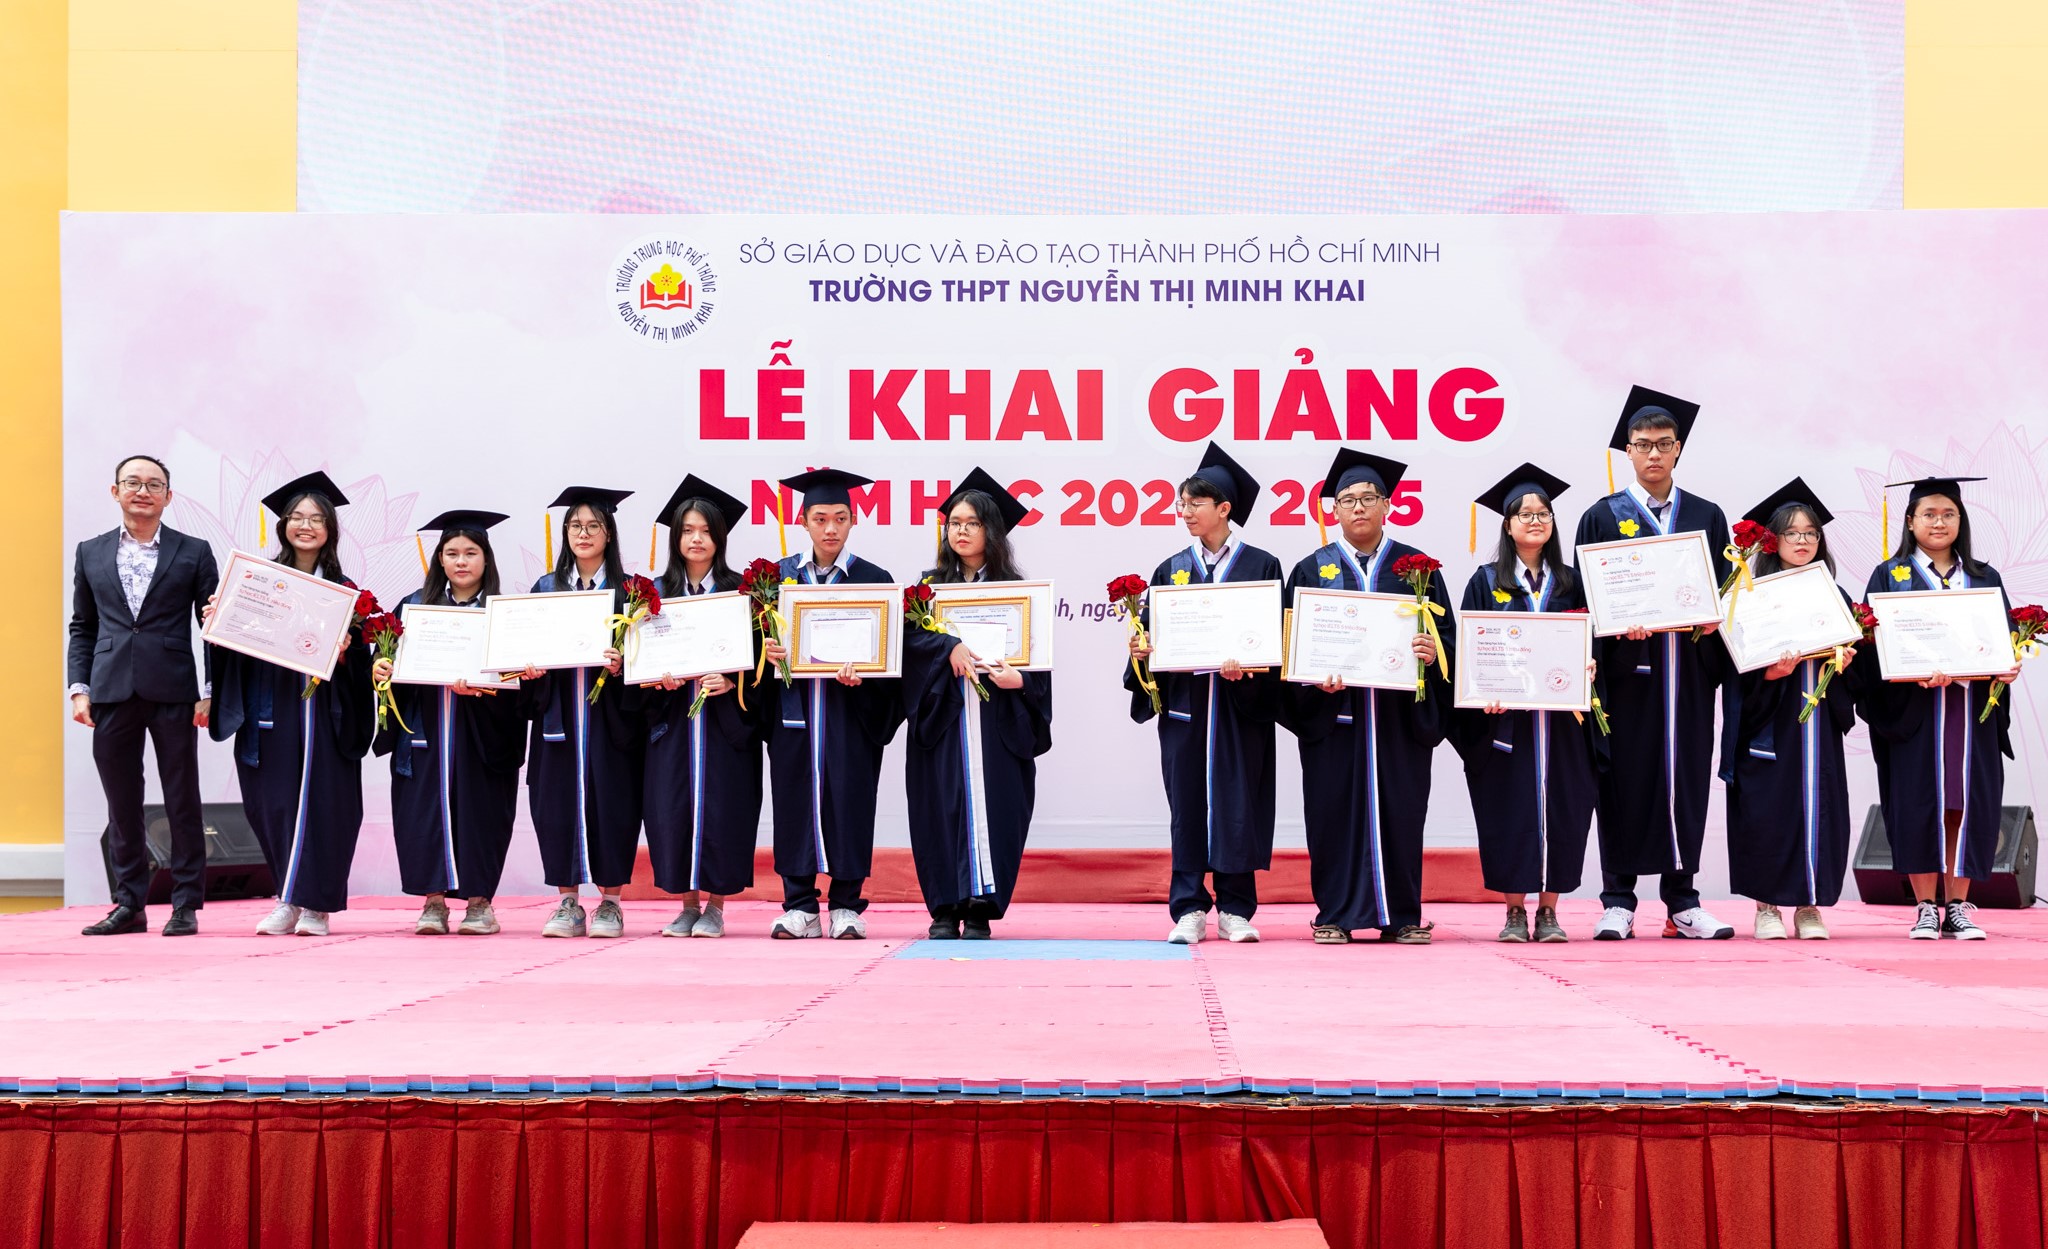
(800, 893)
(1675, 888)
(118, 729)
(1237, 893)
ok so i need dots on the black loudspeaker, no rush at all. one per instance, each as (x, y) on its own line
(2012, 867)
(234, 858)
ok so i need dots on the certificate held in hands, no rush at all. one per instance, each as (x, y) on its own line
(694, 636)
(1524, 661)
(1199, 628)
(1362, 638)
(567, 630)
(275, 613)
(1795, 612)
(1957, 633)
(1659, 583)
(831, 626)
(443, 645)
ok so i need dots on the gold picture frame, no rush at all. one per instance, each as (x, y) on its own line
(884, 612)
(943, 610)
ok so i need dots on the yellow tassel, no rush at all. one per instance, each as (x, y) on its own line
(1315, 505)
(420, 544)
(1609, 457)
(942, 533)
(1472, 532)
(1884, 531)
(547, 537)
(262, 530)
(653, 545)
(781, 521)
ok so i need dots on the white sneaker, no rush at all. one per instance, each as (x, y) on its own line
(479, 919)
(433, 920)
(681, 925)
(1770, 926)
(1235, 927)
(279, 923)
(1189, 929)
(1926, 923)
(1696, 924)
(311, 924)
(795, 925)
(1807, 925)
(608, 920)
(710, 924)
(848, 925)
(1617, 923)
(567, 921)
(1959, 924)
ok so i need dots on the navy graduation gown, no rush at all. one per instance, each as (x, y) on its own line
(584, 766)
(300, 764)
(1365, 760)
(1530, 773)
(825, 754)
(1788, 785)
(454, 784)
(703, 797)
(1216, 740)
(971, 770)
(1932, 755)
(1659, 698)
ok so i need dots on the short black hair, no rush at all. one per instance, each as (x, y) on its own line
(126, 460)
(1199, 487)
(1652, 418)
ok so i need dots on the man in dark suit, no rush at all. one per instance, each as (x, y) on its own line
(136, 592)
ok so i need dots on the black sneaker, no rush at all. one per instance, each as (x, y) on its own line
(1926, 924)
(943, 930)
(1958, 923)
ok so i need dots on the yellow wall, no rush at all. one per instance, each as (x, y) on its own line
(190, 105)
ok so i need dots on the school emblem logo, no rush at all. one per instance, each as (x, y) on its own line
(663, 289)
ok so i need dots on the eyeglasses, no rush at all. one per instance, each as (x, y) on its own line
(1938, 518)
(964, 526)
(1663, 446)
(302, 520)
(1533, 518)
(137, 485)
(1358, 502)
(1800, 537)
(587, 528)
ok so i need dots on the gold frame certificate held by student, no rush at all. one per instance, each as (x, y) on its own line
(275, 613)
(443, 645)
(1795, 612)
(695, 635)
(571, 629)
(834, 625)
(1524, 661)
(1359, 636)
(1198, 628)
(1007, 620)
(1663, 582)
(1958, 633)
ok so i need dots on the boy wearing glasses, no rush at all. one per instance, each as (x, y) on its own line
(1365, 754)
(1658, 691)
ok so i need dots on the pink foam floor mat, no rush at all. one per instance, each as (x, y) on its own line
(1082, 1000)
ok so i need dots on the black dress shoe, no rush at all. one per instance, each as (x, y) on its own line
(944, 930)
(119, 920)
(182, 923)
(976, 930)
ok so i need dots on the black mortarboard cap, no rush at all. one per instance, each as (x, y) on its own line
(1947, 487)
(826, 486)
(1240, 488)
(1352, 467)
(1012, 509)
(1519, 483)
(1642, 399)
(315, 482)
(596, 496)
(480, 522)
(1794, 491)
(730, 510)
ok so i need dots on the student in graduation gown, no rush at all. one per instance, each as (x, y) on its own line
(455, 752)
(584, 758)
(972, 763)
(1658, 689)
(703, 795)
(299, 744)
(1788, 785)
(1365, 753)
(1530, 773)
(1940, 770)
(1216, 733)
(825, 750)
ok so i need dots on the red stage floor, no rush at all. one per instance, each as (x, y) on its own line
(1081, 1000)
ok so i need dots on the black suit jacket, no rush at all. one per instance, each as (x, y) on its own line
(124, 655)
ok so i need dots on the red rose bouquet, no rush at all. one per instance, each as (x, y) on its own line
(1127, 598)
(1751, 539)
(763, 581)
(1866, 620)
(1417, 570)
(643, 599)
(2027, 624)
(917, 609)
(382, 632)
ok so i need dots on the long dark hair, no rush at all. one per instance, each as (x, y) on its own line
(1767, 563)
(436, 591)
(676, 576)
(997, 561)
(565, 563)
(1907, 547)
(329, 559)
(1507, 561)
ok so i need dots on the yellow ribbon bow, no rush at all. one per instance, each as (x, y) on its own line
(1426, 613)
(1739, 580)
(384, 697)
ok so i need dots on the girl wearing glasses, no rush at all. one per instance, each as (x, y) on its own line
(299, 743)
(972, 763)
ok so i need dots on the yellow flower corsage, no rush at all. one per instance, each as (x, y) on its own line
(1180, 576)
(1630, 529)
(1502, 596)
(1329, 572)
(1901, 574)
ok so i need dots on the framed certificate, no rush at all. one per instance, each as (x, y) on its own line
(1360, 637)
(1525, 661)
(1198, 628)
(1010, 620)
(1662, 582)
(567, 630)
(831, 626)
(1796, 612)
(1958, 633)
(275, 613)
(694, 636)
(443, 645)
